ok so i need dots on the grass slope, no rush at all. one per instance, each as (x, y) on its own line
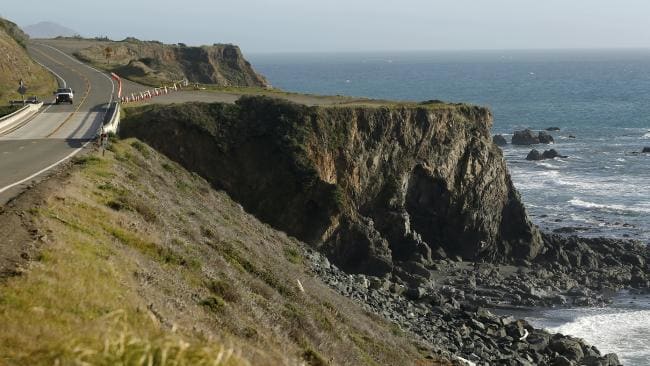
(144, 263)
(15, 64)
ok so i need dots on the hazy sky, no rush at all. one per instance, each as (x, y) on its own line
(354, 25)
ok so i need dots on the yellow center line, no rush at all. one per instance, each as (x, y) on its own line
(88, 88)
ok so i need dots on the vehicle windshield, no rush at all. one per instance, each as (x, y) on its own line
(64, 90)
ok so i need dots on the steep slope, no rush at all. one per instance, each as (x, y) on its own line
(155, 63)
(134, 257)
(15, 64)
(375, 187)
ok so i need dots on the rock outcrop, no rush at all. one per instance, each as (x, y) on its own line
(152, 62)
(374, 188)
(527, 137)
(545, 138)
(646, 150)
(499, 140)
(547, 154)
(534, 155)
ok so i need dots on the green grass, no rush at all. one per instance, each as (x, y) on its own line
(5, 110)
(76, 307)
(214, 303)
(293, 255)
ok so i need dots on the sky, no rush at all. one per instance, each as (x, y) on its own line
(275, 26)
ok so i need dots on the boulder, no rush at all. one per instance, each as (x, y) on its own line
(562, 361)
(553, 129)
(646, 149)
(571, 137)
(545, 138)
(612, 359)
(552, 154)
(499, 140)
(537, 340)
(534, 155)
(525, 137)
(568, 348)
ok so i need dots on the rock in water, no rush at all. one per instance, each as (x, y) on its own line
(525, 137)
(499, 140)
(545, 138)
(646, 150)
(534, 155)
(553, 129)
(552, 154)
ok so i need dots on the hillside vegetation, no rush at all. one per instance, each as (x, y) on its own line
(154, 63)
(143, 263)
(15, 64)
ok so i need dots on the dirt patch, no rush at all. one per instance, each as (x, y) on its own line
(20, 238)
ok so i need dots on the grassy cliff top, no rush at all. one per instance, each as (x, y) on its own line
(142, 260)
(319, 100)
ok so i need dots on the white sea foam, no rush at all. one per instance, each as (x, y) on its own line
(615, 208)
(580, 218)
(548, 166)
(625, 333)
(646, 136)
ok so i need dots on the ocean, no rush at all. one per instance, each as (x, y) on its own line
(600, 97)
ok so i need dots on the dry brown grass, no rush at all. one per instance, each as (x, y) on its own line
(16, 64)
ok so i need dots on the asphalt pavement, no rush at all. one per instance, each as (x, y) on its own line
(56, 132)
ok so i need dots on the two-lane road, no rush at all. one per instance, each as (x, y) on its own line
(57, 132)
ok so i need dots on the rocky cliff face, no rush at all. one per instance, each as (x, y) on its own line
(377, 189)
(154, 62)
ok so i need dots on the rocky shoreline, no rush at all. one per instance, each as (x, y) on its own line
(451, 310)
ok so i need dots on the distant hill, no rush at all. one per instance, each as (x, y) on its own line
(16, 64)
(48, 30)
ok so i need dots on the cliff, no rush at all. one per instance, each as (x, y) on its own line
(154, 63)
(16, 64)
(378, 189)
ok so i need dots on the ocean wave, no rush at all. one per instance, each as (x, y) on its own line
(626, 333)
(610, 208)
(646, 136)
(549, 166)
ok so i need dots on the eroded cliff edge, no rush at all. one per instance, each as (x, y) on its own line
(378, 189)
(153, 63)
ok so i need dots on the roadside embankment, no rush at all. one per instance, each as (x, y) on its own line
(129, 256)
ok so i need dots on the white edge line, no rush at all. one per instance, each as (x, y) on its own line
(52, 71)
(44, 169)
